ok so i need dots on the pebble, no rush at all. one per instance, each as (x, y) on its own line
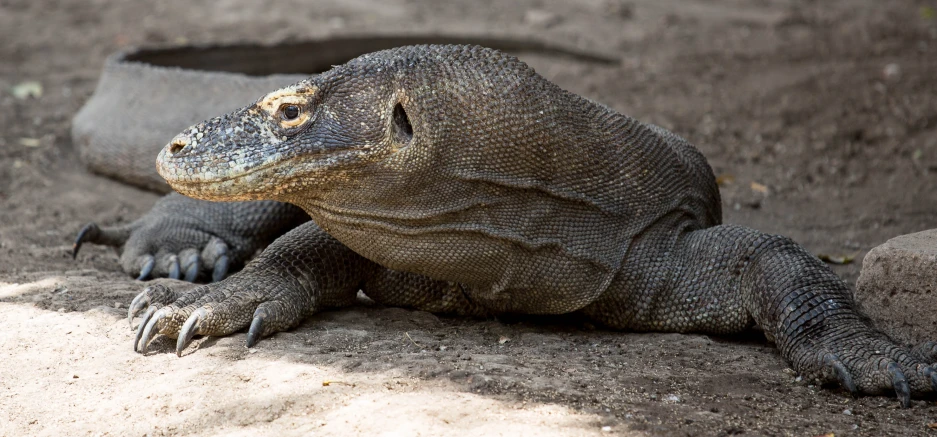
(891, 72)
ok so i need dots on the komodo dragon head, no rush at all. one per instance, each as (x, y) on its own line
(393, 120)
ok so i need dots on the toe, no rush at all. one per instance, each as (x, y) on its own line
(272, 317)
(174, 270)
(213, 318)
(166, 321)
(167, 266)
(190, 264)
(189, 329)
(221, 268)
(154, 296)
(926, 351)
(841, 373)
(931, 375)
(215, 254)
(108, 236)
(140, 328)
(255, 332)
(868, 362)
(147, 330)
(146, 263)
(899, 383)
(166, 311)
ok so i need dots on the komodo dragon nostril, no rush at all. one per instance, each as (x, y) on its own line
(177, 145)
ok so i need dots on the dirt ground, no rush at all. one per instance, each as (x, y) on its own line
(821, 118)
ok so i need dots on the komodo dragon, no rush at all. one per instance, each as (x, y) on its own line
(453, 178)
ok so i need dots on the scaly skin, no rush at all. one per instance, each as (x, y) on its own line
(454, 178)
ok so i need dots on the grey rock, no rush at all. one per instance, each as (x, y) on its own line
(897, 286)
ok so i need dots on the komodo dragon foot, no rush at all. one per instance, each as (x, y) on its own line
(185, 238)
(300, 273)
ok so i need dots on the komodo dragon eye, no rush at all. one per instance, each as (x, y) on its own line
(292, 115)
(290, 112)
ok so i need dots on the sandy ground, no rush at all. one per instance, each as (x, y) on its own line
(821, 118)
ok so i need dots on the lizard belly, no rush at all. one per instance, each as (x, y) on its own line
(502, 275)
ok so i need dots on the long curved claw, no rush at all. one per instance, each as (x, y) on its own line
(138, 303)
(189, 329)
(88, 233)
(191, 273)
(148, 263)
(150, 331)
(109, 236)
(842, 374)
(174, 270)
(146, 318)
(256, 329)
(900, 384)
(221, 268)
(189, 261)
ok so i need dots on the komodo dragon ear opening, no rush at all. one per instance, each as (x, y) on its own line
(403, 130)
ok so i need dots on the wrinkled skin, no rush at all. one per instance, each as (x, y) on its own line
(455, 179)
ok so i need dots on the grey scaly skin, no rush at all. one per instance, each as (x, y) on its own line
(456, 179)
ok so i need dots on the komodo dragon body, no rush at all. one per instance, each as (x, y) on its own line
(456, 179)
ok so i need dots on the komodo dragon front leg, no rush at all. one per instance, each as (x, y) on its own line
(454, 178)
(301, 273)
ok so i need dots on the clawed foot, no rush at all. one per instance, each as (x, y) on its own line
(180, 238)
(151, 252)
(868, 362)
(252, 299)
(185, 238)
